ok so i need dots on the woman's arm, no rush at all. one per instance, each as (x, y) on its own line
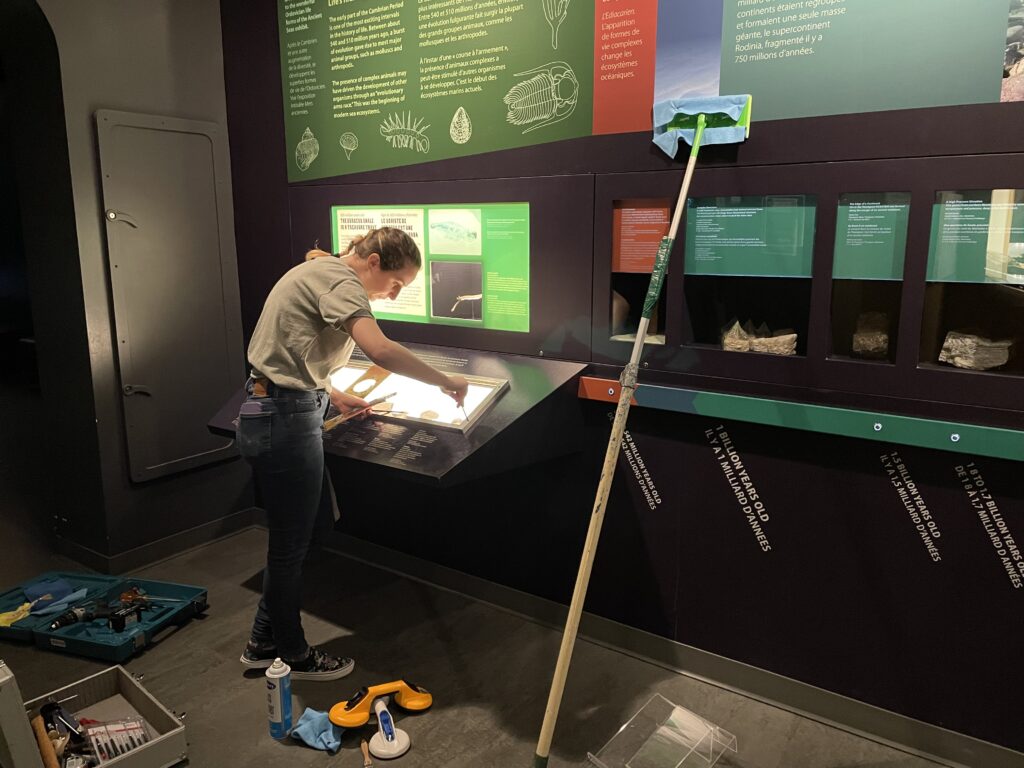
(396, 358)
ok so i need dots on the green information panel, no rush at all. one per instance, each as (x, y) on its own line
(871, 236)
(374, 84)
(476, 261)
(977, 237)
(757, 235)
(823, 57)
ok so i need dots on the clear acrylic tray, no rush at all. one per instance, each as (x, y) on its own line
(664, 735)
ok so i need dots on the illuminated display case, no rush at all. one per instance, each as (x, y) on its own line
(402, 399)
(418, 432)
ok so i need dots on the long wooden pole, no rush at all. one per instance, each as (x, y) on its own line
(628, 381)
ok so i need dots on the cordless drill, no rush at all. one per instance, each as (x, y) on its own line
(82, 613)
(118, 618)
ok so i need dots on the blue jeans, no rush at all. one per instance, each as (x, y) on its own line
(281, 437)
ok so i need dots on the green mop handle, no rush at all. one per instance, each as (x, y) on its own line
(628, 381)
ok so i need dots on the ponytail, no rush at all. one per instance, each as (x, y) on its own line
(396, 249)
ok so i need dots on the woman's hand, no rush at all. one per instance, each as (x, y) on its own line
(346, 403)
(456, 388)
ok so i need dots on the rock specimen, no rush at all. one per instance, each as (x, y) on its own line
(734, 338)
(747, 338)
(871, 339)
(779, 343)
(966, 350)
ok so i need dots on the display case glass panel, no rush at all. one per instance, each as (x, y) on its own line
(476, 261)
(406, 399)
(638, 226)
(750, 235)
(867, 271)
(977, 236)
(974, 301)
(871, 236)
(748, 263)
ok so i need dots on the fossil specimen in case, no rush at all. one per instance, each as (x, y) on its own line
(548, 96)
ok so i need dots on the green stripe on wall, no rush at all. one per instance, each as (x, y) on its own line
(926, 433)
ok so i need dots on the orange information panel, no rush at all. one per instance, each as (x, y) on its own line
(637, 229)
(625, 34)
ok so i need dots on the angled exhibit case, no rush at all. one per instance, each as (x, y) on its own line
(398, 398)
(417, 432)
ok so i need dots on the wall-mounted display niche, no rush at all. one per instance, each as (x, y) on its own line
(476, 261)
(638, 225)
(747, 271)
(407, 400)
(867, 274)
(974, 300)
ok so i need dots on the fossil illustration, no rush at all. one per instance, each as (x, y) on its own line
(402, 132)
(461, 128)
(555, 12)
(549, 96)
(452, 231)
(349, 142)
(306, 150)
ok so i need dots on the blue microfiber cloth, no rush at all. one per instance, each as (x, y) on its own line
(664, 111)
(44, 608)
(57, 589)
(315, 729)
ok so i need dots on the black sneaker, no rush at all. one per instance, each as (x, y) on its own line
(258, 656)
(321, 666)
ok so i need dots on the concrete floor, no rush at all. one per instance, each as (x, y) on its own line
(489, 670)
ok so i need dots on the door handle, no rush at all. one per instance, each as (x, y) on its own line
(136, 389)
(113, 215)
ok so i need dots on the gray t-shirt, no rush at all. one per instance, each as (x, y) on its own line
(300, 337)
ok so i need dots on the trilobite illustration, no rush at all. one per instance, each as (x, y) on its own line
(547, 97)
(461, 128)
(555, 12)
(306, 150)
(402, 132)
(349, 142)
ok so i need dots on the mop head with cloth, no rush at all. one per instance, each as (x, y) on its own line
(726, 121)
(710, 120)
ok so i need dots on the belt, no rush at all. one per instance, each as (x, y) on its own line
(264, 387)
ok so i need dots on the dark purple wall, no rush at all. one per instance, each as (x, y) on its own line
(252, 84)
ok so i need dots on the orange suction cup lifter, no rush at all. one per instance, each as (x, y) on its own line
(356, 711)
(410, 696)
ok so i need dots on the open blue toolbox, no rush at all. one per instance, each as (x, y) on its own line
(99, 622)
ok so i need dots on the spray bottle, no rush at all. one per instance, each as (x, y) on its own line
(279, 698)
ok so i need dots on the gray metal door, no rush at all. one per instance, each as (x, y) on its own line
(174, 281)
